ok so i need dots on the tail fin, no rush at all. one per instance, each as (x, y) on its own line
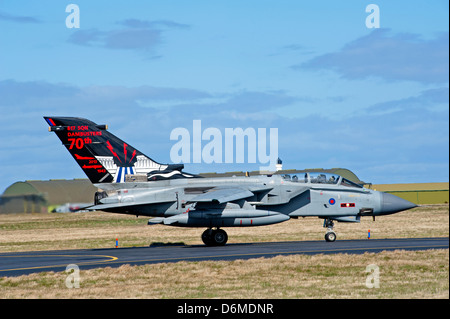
(104, 157)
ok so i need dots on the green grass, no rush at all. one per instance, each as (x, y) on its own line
(64, 221)
(403, 274)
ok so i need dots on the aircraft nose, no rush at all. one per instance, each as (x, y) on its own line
(393, 204)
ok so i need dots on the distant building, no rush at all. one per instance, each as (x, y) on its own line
(43, 196)
(279, 165)
(418, 193)
(46, 196)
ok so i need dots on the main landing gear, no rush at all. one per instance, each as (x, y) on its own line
(330, 235)
(214, 237)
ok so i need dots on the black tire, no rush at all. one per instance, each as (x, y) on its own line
(330, 236)
(207, 237)
(98, 196)
(214, 237)
(220, 237)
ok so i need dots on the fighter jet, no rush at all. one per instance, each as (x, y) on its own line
(130, 182)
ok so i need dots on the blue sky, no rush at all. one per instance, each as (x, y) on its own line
(375, 101)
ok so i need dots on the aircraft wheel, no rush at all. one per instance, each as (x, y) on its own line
(99, 196)
(214, 237)
(330, 236)
(220, 237)
(207, 237)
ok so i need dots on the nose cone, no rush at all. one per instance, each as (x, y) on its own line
(391, 204)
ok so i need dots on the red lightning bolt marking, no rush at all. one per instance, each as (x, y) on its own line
(108, 144)
(132, 156)
(125, 151)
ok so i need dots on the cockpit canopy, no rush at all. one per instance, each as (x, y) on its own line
(319, 178)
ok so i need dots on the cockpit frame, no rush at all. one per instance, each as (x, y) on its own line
(319, 178)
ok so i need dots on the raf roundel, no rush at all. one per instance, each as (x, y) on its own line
(332, 201)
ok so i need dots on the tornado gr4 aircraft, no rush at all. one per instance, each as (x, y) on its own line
(133, 183)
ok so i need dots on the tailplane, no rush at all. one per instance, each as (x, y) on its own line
(104, 157)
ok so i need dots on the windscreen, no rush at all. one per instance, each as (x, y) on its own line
(346, 182)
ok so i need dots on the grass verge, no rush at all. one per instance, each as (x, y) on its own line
(402, 274)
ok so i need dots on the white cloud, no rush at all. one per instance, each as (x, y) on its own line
(140, 35)
(18, 18)
(432, 99)
(401, 135)
(388, 56)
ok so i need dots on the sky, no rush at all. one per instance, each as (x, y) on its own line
(341, 94)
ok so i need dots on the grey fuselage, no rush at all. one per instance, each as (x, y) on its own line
(133, 183)
(339, 200)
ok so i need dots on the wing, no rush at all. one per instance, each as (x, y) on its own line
(221, 195)
(128, 205)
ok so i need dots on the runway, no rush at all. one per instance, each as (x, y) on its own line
(20, 263)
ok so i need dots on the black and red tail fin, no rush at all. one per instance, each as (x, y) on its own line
(104, 157)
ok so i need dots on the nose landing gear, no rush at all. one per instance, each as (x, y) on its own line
(330, 235)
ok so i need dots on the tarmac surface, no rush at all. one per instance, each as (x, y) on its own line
(21, 263)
